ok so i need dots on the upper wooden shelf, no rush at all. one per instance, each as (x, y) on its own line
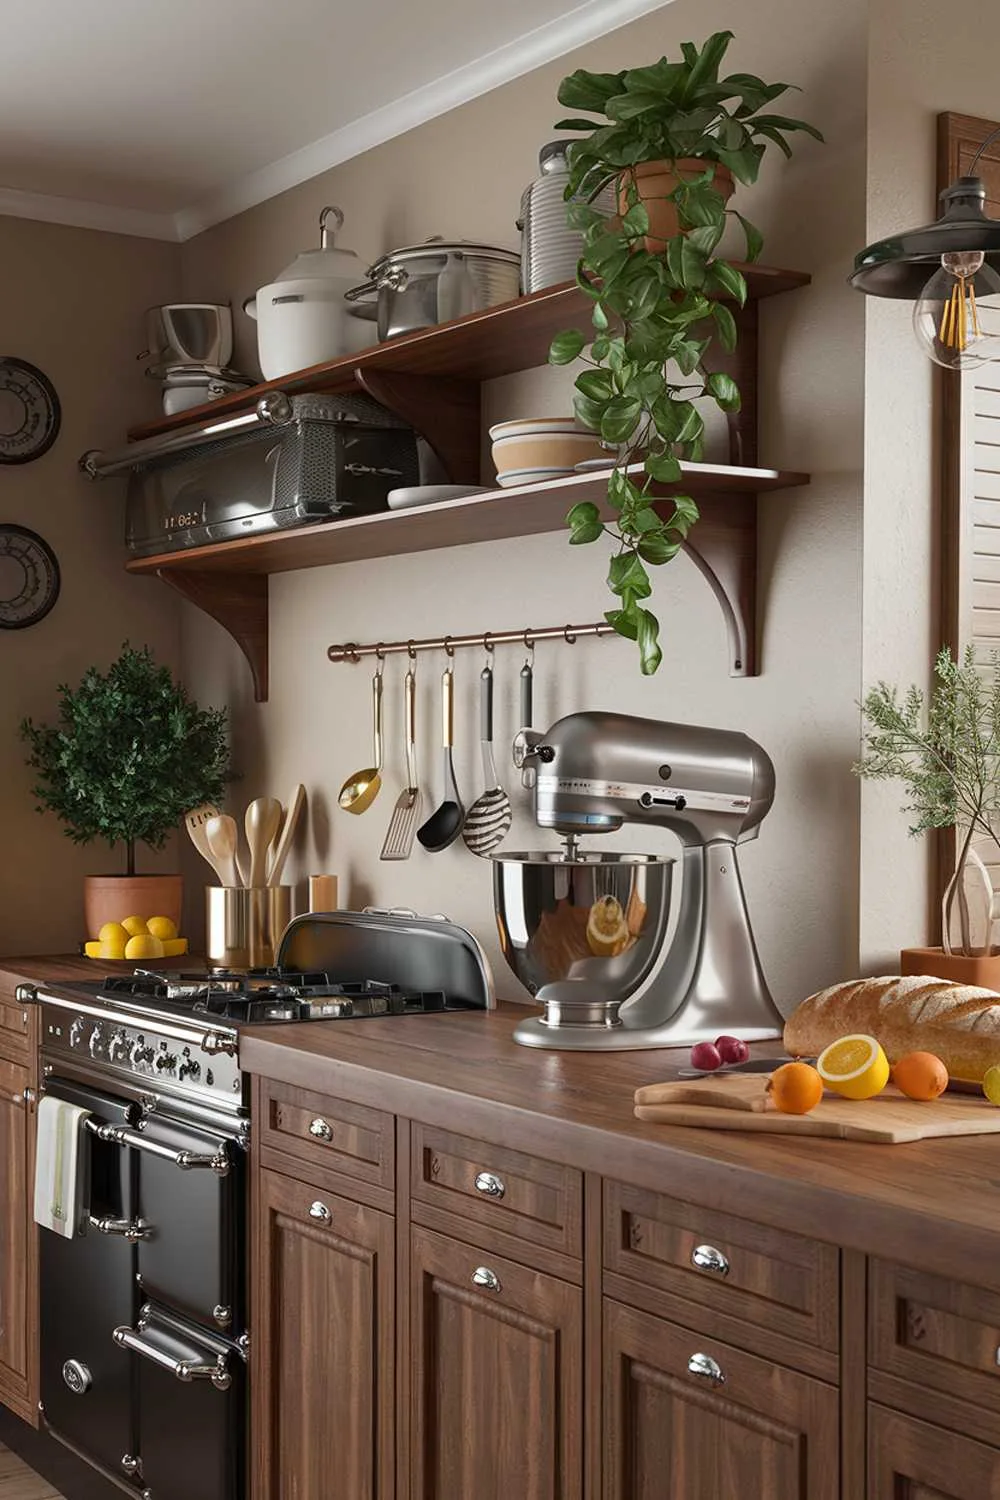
(527, 510)
(501, 340)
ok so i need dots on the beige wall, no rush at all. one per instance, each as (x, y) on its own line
(462, 175)
(924, 59)
(71, 302)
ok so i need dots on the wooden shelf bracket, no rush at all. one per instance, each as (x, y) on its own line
(239, 602)
(724, 550)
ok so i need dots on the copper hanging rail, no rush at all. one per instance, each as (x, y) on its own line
(484, 641)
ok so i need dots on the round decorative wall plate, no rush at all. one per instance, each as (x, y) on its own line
(29, 577)
(29, 412)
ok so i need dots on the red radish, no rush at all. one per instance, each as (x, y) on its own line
(706, 1057)
(731, 1049)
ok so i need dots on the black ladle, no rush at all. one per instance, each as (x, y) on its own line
(445, 823)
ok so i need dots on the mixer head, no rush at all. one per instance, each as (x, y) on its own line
(596, 771)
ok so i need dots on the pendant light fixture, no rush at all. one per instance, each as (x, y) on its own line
(950, 270)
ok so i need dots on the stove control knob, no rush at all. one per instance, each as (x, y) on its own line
(98, 1042)
(190, 1069)
(76, 1033)
(166, 1062)
(141, 1055)
(118, 1046)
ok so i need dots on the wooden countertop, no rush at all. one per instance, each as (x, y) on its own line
(931, 1204)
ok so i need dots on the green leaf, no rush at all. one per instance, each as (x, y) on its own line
(685, 263)
(726, 325)
(624, 621)
(663, 467)
(783, 122)
(705, 238)
(727, 279)
(566, 347)
(656, 549)
(636, 221)
(701, 204)
(647, 635)
(575, 124)
(692, 425)
(686, 512)
(582, 217)
(622, 492)
(688, 354)
(725, 390)
(588, 413)
(583, 90)
(706, 69)
(584, 513)
(599, 318)
(598, 384)
(599, 348)
(667, 418)
(626, 574)
(619, 418)
(753, 236)
(744, 163)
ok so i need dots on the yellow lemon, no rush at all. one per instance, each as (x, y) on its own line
(174, 947)
(854, 1067)
(163, 928)
(113, 951)
(92, 950)
(135, 926)
(143, 945)
(113, 932)
(991, 1084)
(607, 929)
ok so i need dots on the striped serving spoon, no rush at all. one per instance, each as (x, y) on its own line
(488, 820)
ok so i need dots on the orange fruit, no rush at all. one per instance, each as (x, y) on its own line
(920, 1075)
(795, 1089)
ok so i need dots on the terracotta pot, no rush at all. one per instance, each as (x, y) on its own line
(654, 180)
(110, 898)
(983, 971)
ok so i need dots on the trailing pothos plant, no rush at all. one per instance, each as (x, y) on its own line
(657, 311)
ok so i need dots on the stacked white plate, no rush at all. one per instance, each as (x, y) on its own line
(533, 450)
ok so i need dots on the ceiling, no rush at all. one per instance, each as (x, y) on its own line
(162, 119)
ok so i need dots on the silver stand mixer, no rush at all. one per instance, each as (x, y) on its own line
(583, 932)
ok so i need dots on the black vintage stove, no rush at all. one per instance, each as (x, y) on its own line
(264, 995)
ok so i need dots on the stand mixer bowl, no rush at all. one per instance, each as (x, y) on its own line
(583, 932)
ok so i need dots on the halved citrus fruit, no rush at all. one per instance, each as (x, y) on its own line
(607, 929)
(854, 1066)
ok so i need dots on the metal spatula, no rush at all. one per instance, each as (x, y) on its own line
(406, 814)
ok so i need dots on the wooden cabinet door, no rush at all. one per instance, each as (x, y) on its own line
(692, 1419)
(16, 1227)
(911, 1460)
(495, 1365)
(322, 1345)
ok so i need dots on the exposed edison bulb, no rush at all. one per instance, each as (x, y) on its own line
(957, 318)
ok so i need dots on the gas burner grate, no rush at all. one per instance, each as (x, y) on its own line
(272, 995)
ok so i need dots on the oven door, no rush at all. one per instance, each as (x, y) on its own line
(192, 1188)
(192, 1398)
(87, 1286)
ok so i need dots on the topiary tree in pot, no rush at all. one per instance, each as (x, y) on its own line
(672, 137)
(130, 754)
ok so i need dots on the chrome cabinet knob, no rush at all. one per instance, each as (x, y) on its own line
(96, 1042)
(320, 1130)
(77, 1377)
(76, 1033)
(490, 1185)
(707, 1258)
(25, 994)
(484, 1277)
(320, 1212)
(706, 1368)
(118, 1046)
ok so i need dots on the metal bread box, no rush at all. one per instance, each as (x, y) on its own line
(334, 456)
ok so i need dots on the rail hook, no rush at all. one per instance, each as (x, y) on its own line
(569, 635)
(379, 658)
(488, 647)
(529, 646)
(449, 651)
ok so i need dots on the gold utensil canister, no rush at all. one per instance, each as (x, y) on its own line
(244, 926)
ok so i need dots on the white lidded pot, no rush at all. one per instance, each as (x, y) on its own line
(302, 318)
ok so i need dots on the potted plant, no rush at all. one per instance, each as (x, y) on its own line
(130, 754)
(672, 137)
(946, 752)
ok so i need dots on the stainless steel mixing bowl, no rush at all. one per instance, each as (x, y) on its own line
(582, 934)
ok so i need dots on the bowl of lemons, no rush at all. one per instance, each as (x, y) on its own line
(142, 938)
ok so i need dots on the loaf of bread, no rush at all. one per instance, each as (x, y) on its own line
(959, 1023)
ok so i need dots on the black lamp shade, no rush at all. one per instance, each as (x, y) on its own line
(901, 265)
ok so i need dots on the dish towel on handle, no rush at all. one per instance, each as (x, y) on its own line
(59, 1167)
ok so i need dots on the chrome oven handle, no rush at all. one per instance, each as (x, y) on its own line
(187, 1161)
(184, 1369)
(128, 1229)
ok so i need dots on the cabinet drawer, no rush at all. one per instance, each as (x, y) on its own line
(347, 1138)
(539, 1201)
(783, 1282)
(935, 1333)
(15, 1021)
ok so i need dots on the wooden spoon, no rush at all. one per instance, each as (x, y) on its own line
(195, 822)
(283, 847)
(223, 838)
(261, 822)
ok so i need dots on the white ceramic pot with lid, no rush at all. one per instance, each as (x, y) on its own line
(301, 317)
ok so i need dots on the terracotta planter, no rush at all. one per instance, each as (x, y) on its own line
(110, 898)
(654, 180)
(981, 971)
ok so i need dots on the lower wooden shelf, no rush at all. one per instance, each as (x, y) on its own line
(229, 579)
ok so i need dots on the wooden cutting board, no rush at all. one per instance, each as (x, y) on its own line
(736, 1103)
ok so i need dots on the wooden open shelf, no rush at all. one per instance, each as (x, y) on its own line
(432, 379)
(501, 340)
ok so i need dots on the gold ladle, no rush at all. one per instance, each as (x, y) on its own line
(360, 790)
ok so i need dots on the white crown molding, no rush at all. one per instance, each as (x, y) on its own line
(80, 214)
(593, 19)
